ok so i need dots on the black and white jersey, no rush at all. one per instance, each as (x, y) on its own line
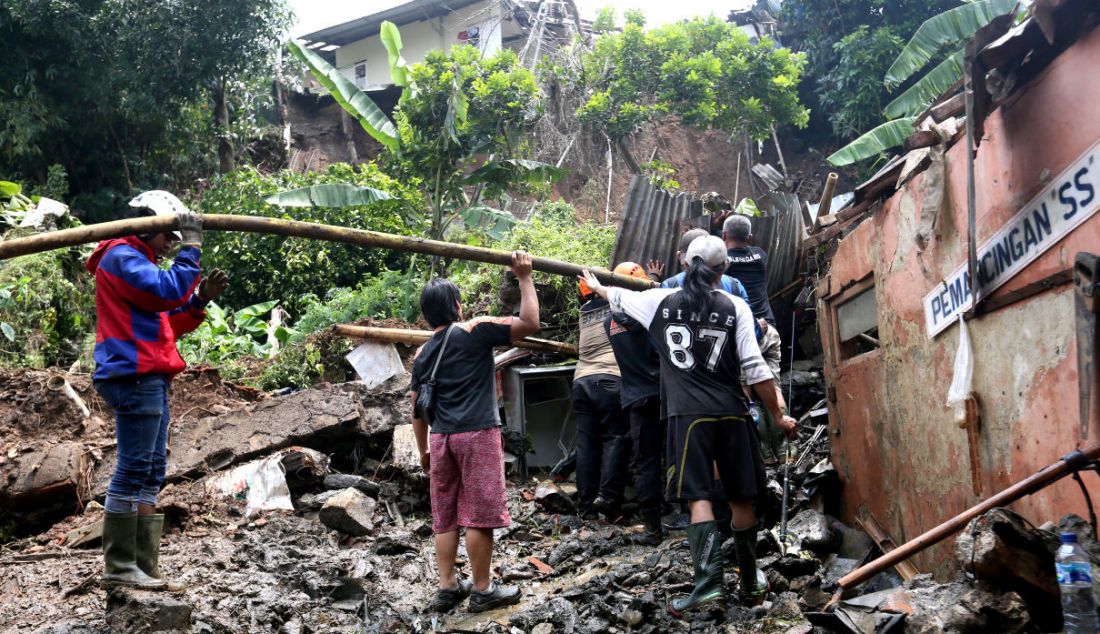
(704, 356)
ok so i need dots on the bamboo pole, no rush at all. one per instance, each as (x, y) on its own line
(402, 335)
(297, 229)
(1049, 475)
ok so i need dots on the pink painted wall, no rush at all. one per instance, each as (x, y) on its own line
(895, 443)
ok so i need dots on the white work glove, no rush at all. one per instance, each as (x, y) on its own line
(190, 227)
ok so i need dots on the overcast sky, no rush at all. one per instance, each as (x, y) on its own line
(313, 15)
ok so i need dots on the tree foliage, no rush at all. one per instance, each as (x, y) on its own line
(704, 70)
(265, 267)
(115, 90)
(848, 45)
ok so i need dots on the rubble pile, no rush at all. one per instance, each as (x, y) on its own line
(338, 539)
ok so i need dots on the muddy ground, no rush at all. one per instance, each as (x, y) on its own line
(287, 571)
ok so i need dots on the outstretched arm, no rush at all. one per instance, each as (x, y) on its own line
(527, 323)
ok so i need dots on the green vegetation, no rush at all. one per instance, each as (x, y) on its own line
(128, 95)
(704, 70)
(263, 267)
(938, 32)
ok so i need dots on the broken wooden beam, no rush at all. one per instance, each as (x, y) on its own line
(885, 543)
(297, 229)
(418, 337)
(1048, 475)
(825, 205)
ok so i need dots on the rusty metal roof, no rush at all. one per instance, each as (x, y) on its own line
(652, 221)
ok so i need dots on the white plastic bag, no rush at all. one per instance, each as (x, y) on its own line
(375, 362)
(261, 483)
(964, 369)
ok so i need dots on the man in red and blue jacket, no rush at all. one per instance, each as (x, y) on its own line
(141, 311)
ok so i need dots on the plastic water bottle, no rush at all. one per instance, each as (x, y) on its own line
(1075, 581)
(754, 411)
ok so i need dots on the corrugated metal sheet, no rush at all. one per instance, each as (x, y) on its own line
(652, 221)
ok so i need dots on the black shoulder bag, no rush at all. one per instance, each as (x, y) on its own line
(425, 396)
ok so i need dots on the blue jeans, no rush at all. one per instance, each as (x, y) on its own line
(141, 429)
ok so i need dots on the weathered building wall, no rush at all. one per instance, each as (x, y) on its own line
(896, 445)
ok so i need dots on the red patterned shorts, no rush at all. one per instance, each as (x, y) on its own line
(467, 480)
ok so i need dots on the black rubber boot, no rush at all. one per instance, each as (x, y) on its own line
(120, 554)
(149, 529)
(752, 586)
(706, 556)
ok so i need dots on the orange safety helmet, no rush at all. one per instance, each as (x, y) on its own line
(585, 291)
(632, 269)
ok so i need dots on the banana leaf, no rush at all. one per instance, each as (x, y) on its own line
(507, 171)
(884, 137)
(328, 195)
(917, 97)
(493, 222)
(391, 38)
(354, 101)
(949, 27)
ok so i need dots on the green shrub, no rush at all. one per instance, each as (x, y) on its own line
(552, 232)
(222, 337)
(263, 267)
(391, 294)
(47, 309)
(304, 363)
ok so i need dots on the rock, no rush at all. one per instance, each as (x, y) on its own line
(318, 417)
(786, 605)
(999, 547)
(349, 511)
(314, 501)
(137, 611)
(335, 481)
(854, 543)
(44, 479)
(835, 568)
(542, 628)
(395, 543)
(792, 566)
(86, 535)
(960, 609)
(406, 453)
(813, 529)
(552, 499)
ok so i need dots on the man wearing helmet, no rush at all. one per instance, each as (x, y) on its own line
(141, 309)
(602, 440)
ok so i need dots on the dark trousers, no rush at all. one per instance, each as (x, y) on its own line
(647, 431)
(603, 444)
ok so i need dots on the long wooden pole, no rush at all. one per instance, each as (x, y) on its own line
(402, 335)
(298, 229)
(1049, 475)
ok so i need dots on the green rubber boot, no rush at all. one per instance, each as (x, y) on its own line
(706, 555)
(753, 585)
(120, 553)
(149, 529)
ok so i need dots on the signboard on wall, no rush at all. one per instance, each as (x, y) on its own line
(1070, 199)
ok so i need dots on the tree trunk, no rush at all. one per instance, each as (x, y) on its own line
(221, 127)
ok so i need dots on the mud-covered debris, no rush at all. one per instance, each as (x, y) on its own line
(138, 611)
(812, 529)
(1000, 548)
(334, 481)
(314, 501)
(551, 498)
(395, 543)
(963, 608)
(349, 511)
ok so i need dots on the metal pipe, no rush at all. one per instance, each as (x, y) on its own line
(1047, 476)
(297, 229)
(401, 335)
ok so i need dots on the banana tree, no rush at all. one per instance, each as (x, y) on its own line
(937, 33)
(456, 108)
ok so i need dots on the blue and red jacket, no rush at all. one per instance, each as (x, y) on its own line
(142, 309)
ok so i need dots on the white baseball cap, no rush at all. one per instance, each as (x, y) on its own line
(710, 249)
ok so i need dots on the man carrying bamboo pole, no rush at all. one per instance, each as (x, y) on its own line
(455, 377)
(141, 310)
